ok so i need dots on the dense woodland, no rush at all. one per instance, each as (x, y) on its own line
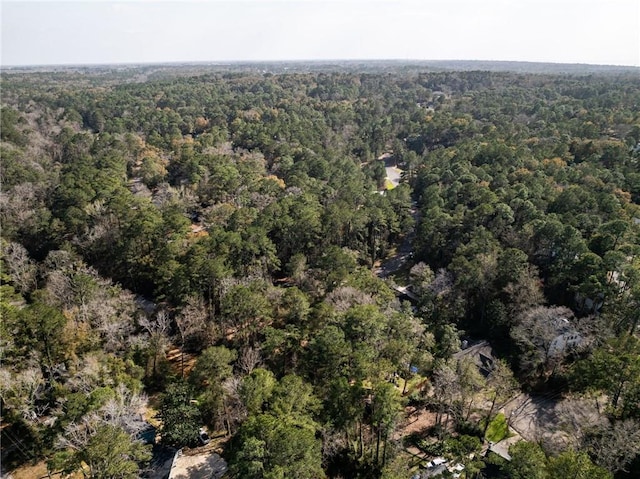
(240, 218)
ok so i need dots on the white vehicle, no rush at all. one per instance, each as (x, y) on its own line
(203, 437)
(436, 462)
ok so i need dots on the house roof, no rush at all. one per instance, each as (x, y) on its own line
(482, 355)
(501, 450)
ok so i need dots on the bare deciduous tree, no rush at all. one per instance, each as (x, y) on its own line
(344, 297)
(471, 383)
(616, 445)
(20, 267)
(421, 277)
(446, 388)
(89, 371)
(22, 392)
(442, 282)
(158, 331)
(195, 325)
(234, 409)
(250, 358)
(125, 410)
(539, 334)
(123, 413)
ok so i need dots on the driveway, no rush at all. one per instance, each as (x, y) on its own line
(550, 418)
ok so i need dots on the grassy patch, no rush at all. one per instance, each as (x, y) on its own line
(29, 471)
(498, 429)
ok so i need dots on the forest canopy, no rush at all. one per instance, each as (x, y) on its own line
(301, 262)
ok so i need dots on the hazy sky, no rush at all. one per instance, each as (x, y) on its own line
(571, 31)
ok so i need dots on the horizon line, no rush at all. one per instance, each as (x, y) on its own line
(316, 60)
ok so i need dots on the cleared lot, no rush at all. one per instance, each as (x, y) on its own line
(554, 420)
(207, 465)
